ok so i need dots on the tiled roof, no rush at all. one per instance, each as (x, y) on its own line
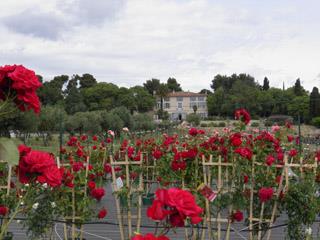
(186, 94)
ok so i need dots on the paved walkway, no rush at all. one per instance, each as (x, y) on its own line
(111, 232)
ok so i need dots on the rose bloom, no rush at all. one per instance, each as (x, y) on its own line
(3, 210)
(40, 164)
(91, 185)
(290, 138)
(185, 203)
(193, 131)
(237, 216)
(265, 194)
(244, 152)
(22, 84)
(107, 168)
(97, 193)
(275, 128)
(156, 211)
(243, 115)
(293, 152)
(269, 160)
(157, 154)
(149, 236)
(110, 132)
(84, 137)
(102, 213)
(245, 179)
(235, 139)
(318, 156)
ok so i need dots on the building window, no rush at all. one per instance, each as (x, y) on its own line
(193, 104)
(179, 99)
(167, 105)
(201, 99)
(193, 99)
(180, 105)
(166, 99)
(202, 105)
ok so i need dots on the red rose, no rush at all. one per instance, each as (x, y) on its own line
(235, 139)
(40, 164)
(318, 156)
(149, 236)
(156, 211)
(98, 193)
(107, 168)
(3, 210)
(193, 131)
(77, 166)
(293, 152)
(237, 216)
(176, 220)
(269, 160)
(280, 156)
(53, 176)
(244, 152)
(83, 137)
(130, 152)
(245, 179)
(290, 138)
(72, 141)
(102, 213)
(91, 185)
(243, 115)
(157, 154)
(94, 138)
(184, 202)
(20, 83)
(265, 194)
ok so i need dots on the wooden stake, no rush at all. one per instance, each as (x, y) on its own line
(251, 199)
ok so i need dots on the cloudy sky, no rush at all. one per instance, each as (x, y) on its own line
(129, 41)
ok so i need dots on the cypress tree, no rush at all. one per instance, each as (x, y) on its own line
(265, 86)
(314, 103)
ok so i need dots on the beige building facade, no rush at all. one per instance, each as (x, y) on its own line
(180, 104)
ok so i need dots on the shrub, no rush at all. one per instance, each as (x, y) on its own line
(124, 114)
(222, 124)
(111, 121)
(203, 125)
(255, 124)
(213, 124)
(316, 122)
(193, 119)
(143, 121)
(165, 124)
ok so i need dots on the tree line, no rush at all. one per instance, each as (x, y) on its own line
(243, 91)
(85, 104)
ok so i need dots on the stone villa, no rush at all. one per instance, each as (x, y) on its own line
(180, 104)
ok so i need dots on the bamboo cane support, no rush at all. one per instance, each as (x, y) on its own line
(115, 188)
(251, 199)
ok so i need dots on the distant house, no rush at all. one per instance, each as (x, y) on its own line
(180, 104)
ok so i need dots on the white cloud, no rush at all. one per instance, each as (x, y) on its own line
(130, 42)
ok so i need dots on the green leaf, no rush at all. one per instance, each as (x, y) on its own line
(9, 151)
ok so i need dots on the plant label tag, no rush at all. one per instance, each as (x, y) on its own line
(207, 192)
(119, 182)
